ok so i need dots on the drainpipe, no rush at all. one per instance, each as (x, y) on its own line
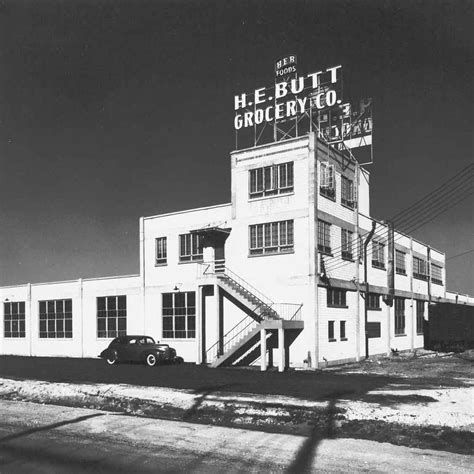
(391, 266)
(357, 252)
(366, 243)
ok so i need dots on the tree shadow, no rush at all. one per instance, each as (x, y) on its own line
(303, 461)
(48, 427)
(204, 393)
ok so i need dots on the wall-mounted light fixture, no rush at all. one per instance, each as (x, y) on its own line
(177, 287)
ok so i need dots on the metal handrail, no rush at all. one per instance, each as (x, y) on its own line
(247, 322)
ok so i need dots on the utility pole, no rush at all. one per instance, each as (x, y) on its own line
(366, 308)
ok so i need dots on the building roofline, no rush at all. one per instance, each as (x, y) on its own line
(188, 210)
(60, 282)
(266, 145)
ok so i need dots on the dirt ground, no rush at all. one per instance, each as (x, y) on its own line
(421, 400)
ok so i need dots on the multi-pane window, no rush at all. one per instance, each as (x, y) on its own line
(331, 331)
(179, 315)
(420, 269)
(378, 254)
(190, 247)
(55, 319)
(327, 180)
(400, 262)
(347, 192)
(346, 244)
(161, 251)
(373, 301)
(336, 298)
(111, 316)
(420, 316)
(399, 316)
(272, 237)
(342, 331)
(14, 319)
(271, 180)
(436, 274)
(324, 237)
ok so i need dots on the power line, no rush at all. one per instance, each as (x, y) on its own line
(419, 219)
(460, 254)
(335, 265)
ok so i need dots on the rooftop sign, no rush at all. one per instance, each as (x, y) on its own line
(288, 99)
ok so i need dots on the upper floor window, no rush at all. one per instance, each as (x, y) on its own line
(378, 254)
(271, 180)
(55, 319)
(190, 247)
(179, 315)
(436, 274)
(161, 251)
(272, 237)
(420, 269)
(336, 298)
(327, 180)
(111, 316)
(347, 192)
(14, 319)
(373, 301)
(400, 262)
(324, 237)
(346, 244)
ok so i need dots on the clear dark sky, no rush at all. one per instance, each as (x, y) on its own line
(111, 110)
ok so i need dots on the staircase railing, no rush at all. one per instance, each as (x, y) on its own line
(233, 336)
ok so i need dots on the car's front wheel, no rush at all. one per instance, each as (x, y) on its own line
(151, 360)
(111, 359)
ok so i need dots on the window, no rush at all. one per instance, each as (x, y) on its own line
(111, 316)
(55, 319)
(420, 269)
(331, 331)
(436, 274)
(399, 316)
(161, 251)
(190, 247)
(271, 180)
(420, 316)
(342, 330)
(324, 237)
(14, 319)
(336, 298)
(346, 241)
(378, 254)
(373, 301)
(327, 181)
(347, 192)
(273, 237)
(400, 267)
(179, 315)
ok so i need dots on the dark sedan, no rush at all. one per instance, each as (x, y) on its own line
(139, 349)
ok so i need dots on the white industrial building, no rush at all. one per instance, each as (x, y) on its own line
(278, 271)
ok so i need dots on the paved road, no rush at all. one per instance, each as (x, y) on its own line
(52, 439)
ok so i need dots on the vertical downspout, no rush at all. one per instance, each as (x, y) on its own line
(313, 309)
(391, 266)
(411, 290)
(30, 320)
(81, 293)
(357, 268)
(428, 254)
(142, 269)
(366, 281)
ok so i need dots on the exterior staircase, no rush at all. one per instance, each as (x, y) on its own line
(241, 345)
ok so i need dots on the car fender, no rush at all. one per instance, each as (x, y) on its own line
(108, 353)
